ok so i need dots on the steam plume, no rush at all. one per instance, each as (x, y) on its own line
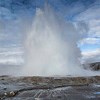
(51, 46)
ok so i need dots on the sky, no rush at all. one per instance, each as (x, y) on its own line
(81, 12)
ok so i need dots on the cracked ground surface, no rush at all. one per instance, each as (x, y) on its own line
(49, 88)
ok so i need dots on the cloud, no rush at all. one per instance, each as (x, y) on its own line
(90, 40)
(91, 56)
(90, 13)
(94, 26)
(12, 55)
(91, 16)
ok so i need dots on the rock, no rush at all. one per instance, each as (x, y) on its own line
(12, 93)
(9, 94)
(92, 66)
(5, 94)
(95, 66)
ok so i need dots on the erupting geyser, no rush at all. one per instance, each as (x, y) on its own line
(51, 46)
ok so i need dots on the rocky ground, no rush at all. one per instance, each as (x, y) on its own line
(95, 66)
(92, 66)
(49, 88)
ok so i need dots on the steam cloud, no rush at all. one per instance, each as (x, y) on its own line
(51, 46)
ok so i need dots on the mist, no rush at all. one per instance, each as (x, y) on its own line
(51, 46)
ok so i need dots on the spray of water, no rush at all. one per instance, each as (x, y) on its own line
(51, 46)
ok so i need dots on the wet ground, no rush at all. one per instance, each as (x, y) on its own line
(49, 88)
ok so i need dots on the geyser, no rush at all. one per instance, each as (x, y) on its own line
(51, 46)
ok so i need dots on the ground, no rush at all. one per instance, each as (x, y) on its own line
(49, 88)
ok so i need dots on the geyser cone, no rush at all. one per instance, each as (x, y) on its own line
(51, 46)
